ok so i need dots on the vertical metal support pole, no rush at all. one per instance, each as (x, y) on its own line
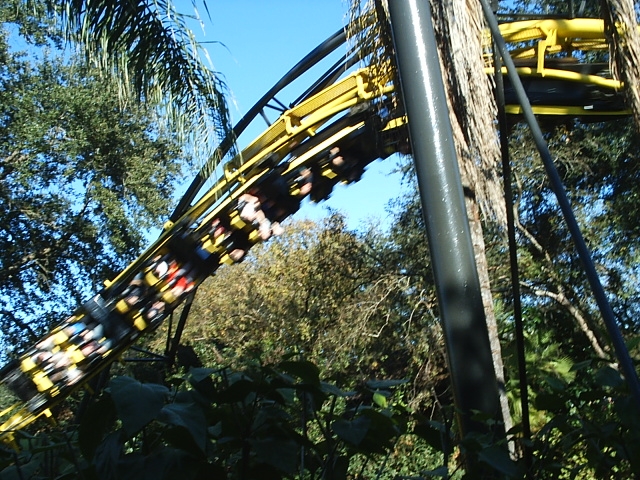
(172, 346)
(456, 277)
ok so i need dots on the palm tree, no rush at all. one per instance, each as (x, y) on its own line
(147, 46)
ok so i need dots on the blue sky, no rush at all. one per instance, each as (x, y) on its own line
(256, 43)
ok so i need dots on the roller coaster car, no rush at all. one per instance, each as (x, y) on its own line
(187, 249)
(55, 364)
(17, 381)
(280, 193)
(229, 239)
(543, 90)
(116, 316)
(116, 326)
(164, 281)
(347, 160)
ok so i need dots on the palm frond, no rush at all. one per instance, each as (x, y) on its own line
(149, 48)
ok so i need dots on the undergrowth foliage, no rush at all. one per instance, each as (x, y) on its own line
(283, 421)
(266, 422)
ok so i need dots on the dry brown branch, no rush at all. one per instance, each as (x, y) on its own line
(562, 299)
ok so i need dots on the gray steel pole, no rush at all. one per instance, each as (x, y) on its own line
(456, 277)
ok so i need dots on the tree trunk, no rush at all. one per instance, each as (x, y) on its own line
(475, 225)
(472, 110)
(624, 46)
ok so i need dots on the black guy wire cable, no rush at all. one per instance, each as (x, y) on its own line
(513, 256)
(626, 363)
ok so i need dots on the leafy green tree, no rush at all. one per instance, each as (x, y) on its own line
(320, 291)
(596, 163)
(81, 180)
(359, 306)
(569, 359)
(567, 345)
(149, 51)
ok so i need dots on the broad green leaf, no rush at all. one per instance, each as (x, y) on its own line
(609, 377)
(199, 374)
(163, 463)
(270, 416)
(288, 394)
(94, 423)
(582, 365)
(498, 458)
(339, 468)
(237, 392)
(431, 434)
(24, 471)
(306, 371)
(547, 401)
(382, 429)
(188, 416)
(380, 400)
(384, 384)
(108, 454)
(352, 431)
(555, 383)
(331, 389)
(137, 403)
(281, 453)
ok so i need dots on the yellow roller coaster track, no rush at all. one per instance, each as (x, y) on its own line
(353, 116)
(554, 52)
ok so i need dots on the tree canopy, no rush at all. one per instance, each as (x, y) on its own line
(81, 181)
(149, 52)
(320, 355)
